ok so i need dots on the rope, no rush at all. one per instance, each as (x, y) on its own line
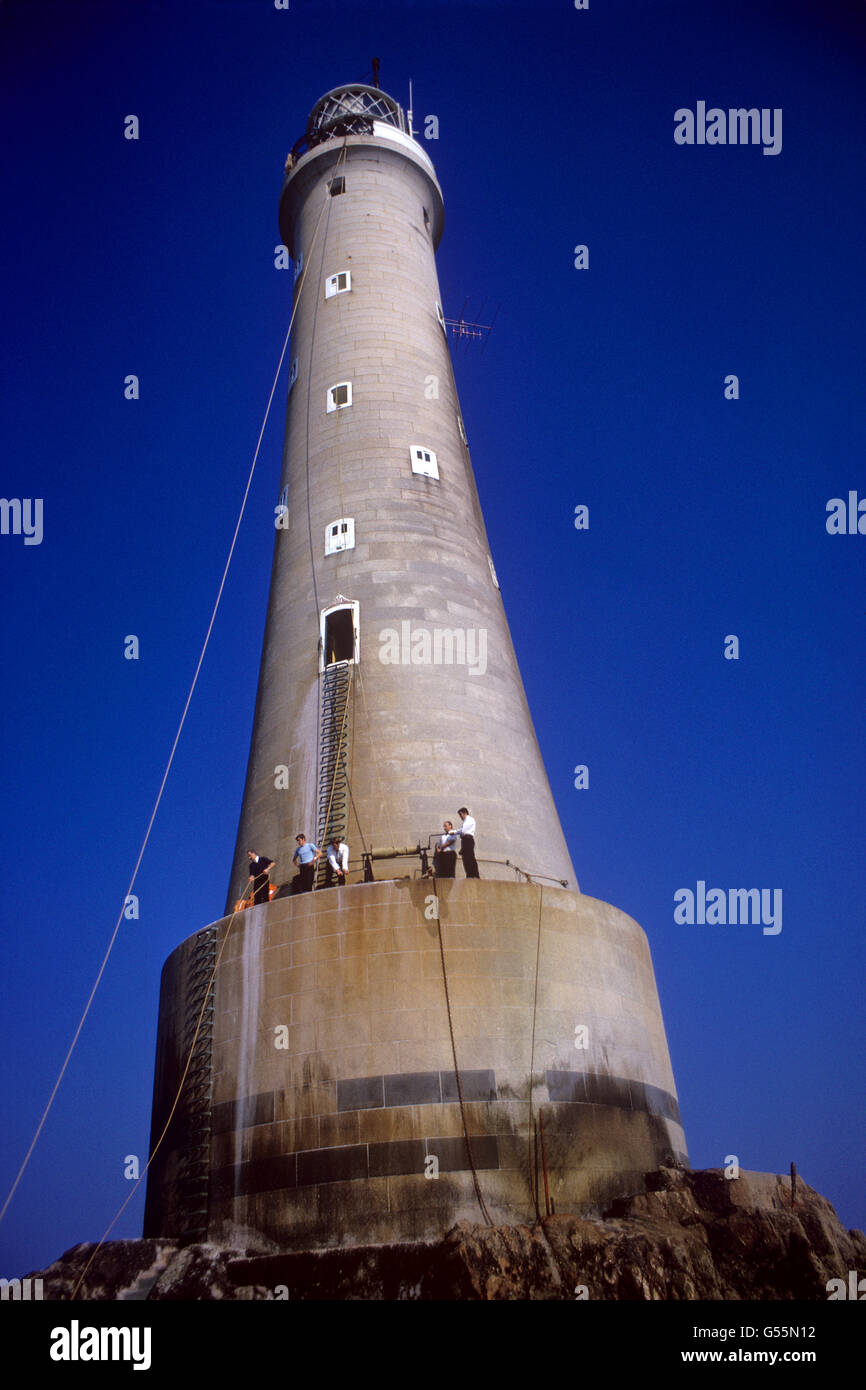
(168, 766)
(533, 1171)
(343, 567)
(338, 167)
(326, 204)
(174, 1106)
(391, 840)
(327, 817)
(485, 1213)
(355, 809)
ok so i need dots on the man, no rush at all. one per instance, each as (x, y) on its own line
(467, 843)
(338, 861)
(306, 856)
(444, 854)
(259, 866)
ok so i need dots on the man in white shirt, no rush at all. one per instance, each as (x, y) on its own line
(467, 843)
(338, 861)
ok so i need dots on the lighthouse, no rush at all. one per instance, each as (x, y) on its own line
(372, 1061)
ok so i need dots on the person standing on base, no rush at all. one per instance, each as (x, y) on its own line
(259, 867)
(444, 854)
(467, 843)
(306, 856)
(338, 862)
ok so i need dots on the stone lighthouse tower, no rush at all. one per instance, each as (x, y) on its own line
(374, 1061)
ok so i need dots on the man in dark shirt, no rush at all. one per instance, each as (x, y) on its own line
(259, 866)
(444, 853)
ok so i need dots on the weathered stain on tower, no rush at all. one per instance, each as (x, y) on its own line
(371, 1061)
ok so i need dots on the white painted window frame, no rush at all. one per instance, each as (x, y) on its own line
(334, 545)
(424, 468)
(325, 614)
(343, 405)
(332, 285)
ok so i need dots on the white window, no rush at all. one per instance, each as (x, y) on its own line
(299, 264)
(338, 284)
(424, 461)
(461, 427)
(293, 373)
(441, 317)
(338, 633)
(492, 571)
(340, 535)
(339, 396)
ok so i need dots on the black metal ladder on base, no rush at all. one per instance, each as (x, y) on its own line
(332, 814)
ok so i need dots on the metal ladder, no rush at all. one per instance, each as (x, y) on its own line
(332, 816)
(194, 1166)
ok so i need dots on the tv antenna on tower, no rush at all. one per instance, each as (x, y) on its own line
(467, 330)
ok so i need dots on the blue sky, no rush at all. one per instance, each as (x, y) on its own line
(602, 387)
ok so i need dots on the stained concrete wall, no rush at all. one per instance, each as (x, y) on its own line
(425, 739)
(167, 1207)
(334, 1075)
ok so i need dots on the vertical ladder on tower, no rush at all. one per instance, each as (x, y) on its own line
(332, 815)
(195, 1109)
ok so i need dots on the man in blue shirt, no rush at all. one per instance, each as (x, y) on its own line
(306, 856)
(444, 854)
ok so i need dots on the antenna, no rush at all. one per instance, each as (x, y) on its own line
(409, 110)
(375, 72)
(489, 331)
(466, 329)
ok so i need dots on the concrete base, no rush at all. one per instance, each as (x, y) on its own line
(335, 1112)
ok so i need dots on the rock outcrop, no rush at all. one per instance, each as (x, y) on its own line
(689, 1235)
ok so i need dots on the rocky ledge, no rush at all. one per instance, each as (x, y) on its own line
(689, 1235)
